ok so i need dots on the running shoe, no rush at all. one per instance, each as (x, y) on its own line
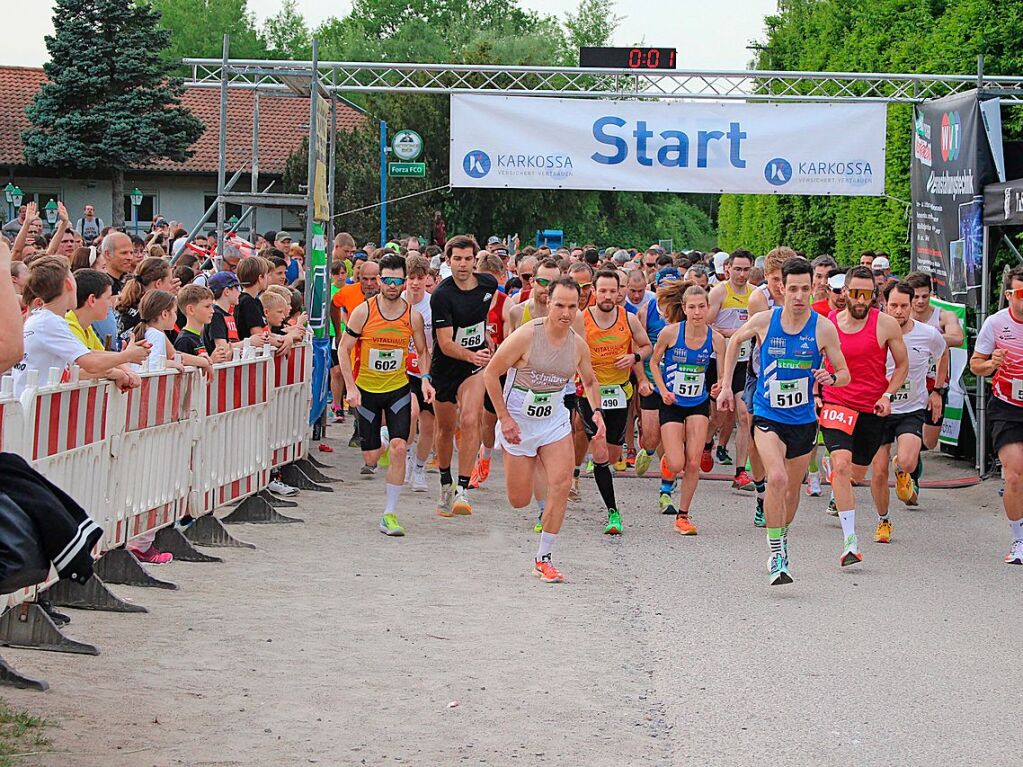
(461, 506)
(723, 457)
(667, 507)
(389, 526)
(826, 468)
(851, 554)
(832, 506)
(339, 416)
(323, 447)
(914, 499)
(614, 523)
(484, 465)
(707, 461)
(447, 495)
(432, 466)
(574, 493)
(279, 488)
(367, 470)
(152, 556)
(883, 532)
(480, 472)
(1015, 555)
(538, 527)
(759, 520)
(743, 481)
(547, 572)
(643, 461)
(630, 457)
(621, 464)
(419, 479)
(903, 483)
(813, 484)
(779, 571)
(684, 525)
(589, 465)
(385, 459)
(355, 441)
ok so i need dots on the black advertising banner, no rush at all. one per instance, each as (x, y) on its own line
(1003, 204)
(950, 166)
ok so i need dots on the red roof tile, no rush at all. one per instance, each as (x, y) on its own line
(281, 121)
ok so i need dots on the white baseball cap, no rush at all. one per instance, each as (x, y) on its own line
(719, 262)
(880, 263)
(837, 282)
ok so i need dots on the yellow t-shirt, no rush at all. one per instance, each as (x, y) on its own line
(86, 335)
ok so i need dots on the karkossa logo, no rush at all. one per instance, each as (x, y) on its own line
(951, 136)
(476, 164)
(778, 171)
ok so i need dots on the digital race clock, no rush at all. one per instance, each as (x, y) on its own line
(627, 58)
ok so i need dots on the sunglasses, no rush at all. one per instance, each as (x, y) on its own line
(1016, 293)
(584, 285)
(543, 282)
(861, 294)
(394, 281)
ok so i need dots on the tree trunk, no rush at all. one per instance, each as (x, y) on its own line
(117, 198)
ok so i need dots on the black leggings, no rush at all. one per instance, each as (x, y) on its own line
(392, 407)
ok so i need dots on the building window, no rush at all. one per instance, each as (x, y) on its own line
(146, 212)
(230, 209)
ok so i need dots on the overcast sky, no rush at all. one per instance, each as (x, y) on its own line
(707, 35)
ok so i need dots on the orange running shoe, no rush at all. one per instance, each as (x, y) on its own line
(684, 526)
(477, 478)
(547, 572)
(665, 473)
(707, 461)
(484, 466)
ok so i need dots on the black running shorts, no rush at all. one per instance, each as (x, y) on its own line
(393, 408)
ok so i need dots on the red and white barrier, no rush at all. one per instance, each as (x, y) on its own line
(152, 461)
(231, 460)
(289, 430)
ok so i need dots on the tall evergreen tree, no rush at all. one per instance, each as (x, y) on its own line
(111, 102)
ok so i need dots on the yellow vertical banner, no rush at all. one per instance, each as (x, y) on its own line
(321, 203)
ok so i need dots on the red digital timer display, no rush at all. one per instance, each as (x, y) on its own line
(628, 58)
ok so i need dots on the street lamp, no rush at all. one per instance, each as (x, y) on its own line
(51, 213)
(232, 224)
(17, 196)
(9, 196)
(136, 199)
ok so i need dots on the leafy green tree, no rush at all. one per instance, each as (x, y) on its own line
(111, 104)
(198, 27)
(287, 35)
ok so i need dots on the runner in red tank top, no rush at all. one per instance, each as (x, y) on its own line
(852, 418)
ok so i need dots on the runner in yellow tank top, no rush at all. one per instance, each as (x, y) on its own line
(379, 390)
(618, 344)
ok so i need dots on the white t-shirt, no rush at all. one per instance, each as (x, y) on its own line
(158, 341)
(648, 296)
(923, 344)
(49, 343)
(423, 307)
(1003, 331)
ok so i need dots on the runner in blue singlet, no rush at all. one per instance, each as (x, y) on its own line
(792, 341)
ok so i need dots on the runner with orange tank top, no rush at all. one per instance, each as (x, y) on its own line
(379, 332)
(618, 345)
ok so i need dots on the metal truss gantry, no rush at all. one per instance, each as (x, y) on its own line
(356, 77)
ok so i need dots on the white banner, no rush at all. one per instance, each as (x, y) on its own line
(520, 142)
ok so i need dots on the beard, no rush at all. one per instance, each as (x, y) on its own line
(858, 311)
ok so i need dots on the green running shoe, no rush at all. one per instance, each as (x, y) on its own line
(538, 527)
(614, 522)
(389, 526)
(667, 507)
(385, 458)
(759, 520)
(779, 571)
(643, 459)
(589, 466)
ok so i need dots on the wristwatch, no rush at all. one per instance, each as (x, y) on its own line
(941, 389)
(834, 379)
(889, 395)
(638, 356)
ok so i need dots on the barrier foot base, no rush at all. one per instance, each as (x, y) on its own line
(210, 531)
(28, 626)
(10, 677)
(310, 470)
(273, 500)
(170, 539)
(295, 477)
(255, 510)
(94, 595)
(120, 566)
(316, 462)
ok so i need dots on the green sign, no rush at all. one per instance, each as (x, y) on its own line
(406, 169)
(317, 287)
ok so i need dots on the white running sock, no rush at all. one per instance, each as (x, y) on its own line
(393, 493)
(1017, 529)
(848, 520)
(546, 545)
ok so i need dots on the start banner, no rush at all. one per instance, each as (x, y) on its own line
(520, 142)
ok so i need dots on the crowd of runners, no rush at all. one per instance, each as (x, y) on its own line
(562, 359)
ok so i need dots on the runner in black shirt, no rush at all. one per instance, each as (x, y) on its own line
(460, 352)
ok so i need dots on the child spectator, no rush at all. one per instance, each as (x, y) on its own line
(19, 274)
(278, 267)
(49, 342)
(157, 311)
(195, 302)
(95, 293)
(253, 273)
(221, 332)
(151, 274)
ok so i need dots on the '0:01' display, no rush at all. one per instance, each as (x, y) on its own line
(628, 58)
